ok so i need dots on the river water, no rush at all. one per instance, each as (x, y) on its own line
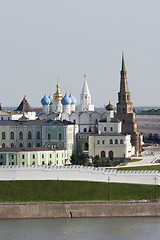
(81, 229)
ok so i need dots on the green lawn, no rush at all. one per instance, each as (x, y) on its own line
(52, 191)
(153, 167)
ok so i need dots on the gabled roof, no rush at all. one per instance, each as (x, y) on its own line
(24, 106)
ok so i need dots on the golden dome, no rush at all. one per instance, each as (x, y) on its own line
(57, 96)
(110, 107)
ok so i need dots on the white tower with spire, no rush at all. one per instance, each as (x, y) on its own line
(85, 98)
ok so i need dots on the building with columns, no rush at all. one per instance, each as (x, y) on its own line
(33, 156)
(25, 133)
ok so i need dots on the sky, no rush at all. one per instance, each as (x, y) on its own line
(45, 40)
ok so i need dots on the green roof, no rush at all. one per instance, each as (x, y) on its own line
(123, 64)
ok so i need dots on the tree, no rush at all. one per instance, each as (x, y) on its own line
(73, 159)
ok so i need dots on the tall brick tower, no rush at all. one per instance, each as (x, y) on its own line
(125, 111)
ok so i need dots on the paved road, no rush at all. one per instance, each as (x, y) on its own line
(148, 157)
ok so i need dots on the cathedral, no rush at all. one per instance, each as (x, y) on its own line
(64, 127)
(88, 120)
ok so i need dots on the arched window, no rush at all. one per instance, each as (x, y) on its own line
(49, 136)
(29, 145)
(110, 155)
(12, 145)
(85, 130)
(59, 136)
(38, 135)
(85, 146)
(103, 154)
(121, 141)
(116, 141)
(3, 145)
(74, 120)
(111, 141)
(20, 145)
(38, 145)
(3, 135)
(12, 135)
(29, 135)
(20, 135)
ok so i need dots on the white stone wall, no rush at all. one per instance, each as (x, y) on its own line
(78, 173)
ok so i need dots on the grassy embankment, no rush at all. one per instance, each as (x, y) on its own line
(131, 161)
(153, 168)
(53, 191)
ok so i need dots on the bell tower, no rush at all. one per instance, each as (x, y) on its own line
(125, 111)
(124, 104)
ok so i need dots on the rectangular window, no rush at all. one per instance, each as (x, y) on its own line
(50, 155)
(12, 156)
(104, 129)
(33, 156)
(23, 156)
(102, 141)
(1, 156)
(97, 141)
(42, 155)
(111, 129)
(57, 155)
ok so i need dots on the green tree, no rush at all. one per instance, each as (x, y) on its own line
(73, 159)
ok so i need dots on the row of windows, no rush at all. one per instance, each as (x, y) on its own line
(111, 141)
(83, 137)
(33, 163)
(105, 129)
(20, 145)
(12, 135)
(29, 135)
(33, 156)
(59, 136)
(8, 118)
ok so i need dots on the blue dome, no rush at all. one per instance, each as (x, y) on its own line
(50, 98)
(72, 99)
(45, 100)
(66, 100)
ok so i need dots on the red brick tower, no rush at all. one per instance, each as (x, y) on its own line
(125, 111)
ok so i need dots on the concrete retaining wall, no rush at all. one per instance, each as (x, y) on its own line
(78, 173)
(79, 210)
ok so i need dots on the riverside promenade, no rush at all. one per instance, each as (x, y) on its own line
(79, 210)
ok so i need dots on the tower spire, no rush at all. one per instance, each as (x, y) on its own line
(123, 63)
(124, 97)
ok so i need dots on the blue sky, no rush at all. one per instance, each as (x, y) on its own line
(41, 40)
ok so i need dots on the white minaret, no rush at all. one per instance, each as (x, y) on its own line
(85, 98)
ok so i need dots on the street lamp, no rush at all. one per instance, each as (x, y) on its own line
(155, 188)
(108, 189)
